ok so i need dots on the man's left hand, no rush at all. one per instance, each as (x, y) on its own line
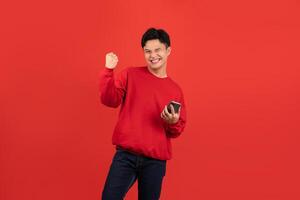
(170, 118)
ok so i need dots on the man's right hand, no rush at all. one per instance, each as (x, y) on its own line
(111, 60)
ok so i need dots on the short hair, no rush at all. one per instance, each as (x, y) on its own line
(152, 34)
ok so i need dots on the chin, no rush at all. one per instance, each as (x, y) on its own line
(154, 67)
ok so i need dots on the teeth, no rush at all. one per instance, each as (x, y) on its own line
(155, 61)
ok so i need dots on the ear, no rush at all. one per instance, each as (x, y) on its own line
(169, 49)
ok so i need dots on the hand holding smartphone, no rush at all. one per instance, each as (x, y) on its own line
(176, 106)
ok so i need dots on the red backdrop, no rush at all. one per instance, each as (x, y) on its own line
(237, 62)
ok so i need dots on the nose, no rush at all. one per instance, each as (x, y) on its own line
(152, 54)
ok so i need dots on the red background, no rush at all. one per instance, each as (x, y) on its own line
(237, 62)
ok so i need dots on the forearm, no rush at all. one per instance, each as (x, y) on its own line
(175, 130)
(110, 94)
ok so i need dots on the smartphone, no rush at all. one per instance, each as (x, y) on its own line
(176, 106)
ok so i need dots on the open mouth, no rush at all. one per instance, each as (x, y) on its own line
(154, 61)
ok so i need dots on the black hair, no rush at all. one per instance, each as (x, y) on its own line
(152, 34)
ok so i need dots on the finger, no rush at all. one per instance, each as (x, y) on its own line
(166, 113)
(169, 115)
(172, 109)
(112, 54)
(163, 115)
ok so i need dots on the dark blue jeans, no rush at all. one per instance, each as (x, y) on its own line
(126, 168)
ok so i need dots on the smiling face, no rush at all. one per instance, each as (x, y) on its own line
(156, 54)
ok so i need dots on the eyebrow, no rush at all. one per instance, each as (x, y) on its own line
(154, 49)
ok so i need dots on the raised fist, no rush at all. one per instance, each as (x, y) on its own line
(111, 60)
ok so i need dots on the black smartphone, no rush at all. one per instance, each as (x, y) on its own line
(176, 106)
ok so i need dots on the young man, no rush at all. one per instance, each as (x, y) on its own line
(146, 123)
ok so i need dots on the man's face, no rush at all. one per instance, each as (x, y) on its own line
(156, 54)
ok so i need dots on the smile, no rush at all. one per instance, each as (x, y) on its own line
(154, 61)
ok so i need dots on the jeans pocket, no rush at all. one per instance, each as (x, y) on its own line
(161, 165)
(119, 154)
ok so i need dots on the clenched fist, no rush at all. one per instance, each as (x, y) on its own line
(111, 60)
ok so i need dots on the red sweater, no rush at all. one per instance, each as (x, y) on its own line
(142, 96)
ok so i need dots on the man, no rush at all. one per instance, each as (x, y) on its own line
(146, 123)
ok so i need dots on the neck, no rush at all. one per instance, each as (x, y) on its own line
(160, 72)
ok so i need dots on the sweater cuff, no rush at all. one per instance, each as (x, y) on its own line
(107, 70)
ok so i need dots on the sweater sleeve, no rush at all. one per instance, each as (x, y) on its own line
(112, 88)
(174, 130)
